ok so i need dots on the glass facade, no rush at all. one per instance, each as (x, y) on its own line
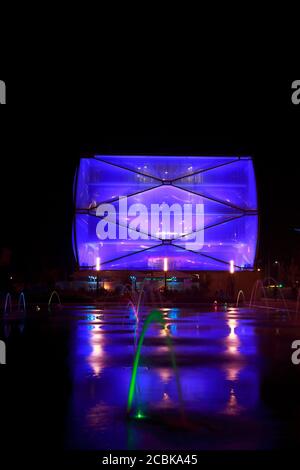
(132, 212)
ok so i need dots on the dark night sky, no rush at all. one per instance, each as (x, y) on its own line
(40, 148)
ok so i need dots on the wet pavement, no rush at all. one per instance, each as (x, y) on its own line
(233, 387)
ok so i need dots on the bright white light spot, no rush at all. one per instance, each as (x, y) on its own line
(98, 264)
(231, 269)
(165, 264)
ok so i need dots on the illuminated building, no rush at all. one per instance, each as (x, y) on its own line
(134, 212)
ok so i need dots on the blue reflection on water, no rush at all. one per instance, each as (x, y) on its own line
(220, 373)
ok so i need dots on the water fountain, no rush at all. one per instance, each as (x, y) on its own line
(135, 303)
(154, 317)
(258, 284)
(131, 304)
(8, 302)
(240, 294)
(54, 293)
(22, 302)
(271, 279)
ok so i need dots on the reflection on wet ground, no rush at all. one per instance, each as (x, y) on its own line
(239, 387)
(226, 361)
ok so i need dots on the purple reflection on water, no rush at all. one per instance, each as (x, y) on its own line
(220, 370)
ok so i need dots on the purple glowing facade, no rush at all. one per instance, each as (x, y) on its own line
(212, 199)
